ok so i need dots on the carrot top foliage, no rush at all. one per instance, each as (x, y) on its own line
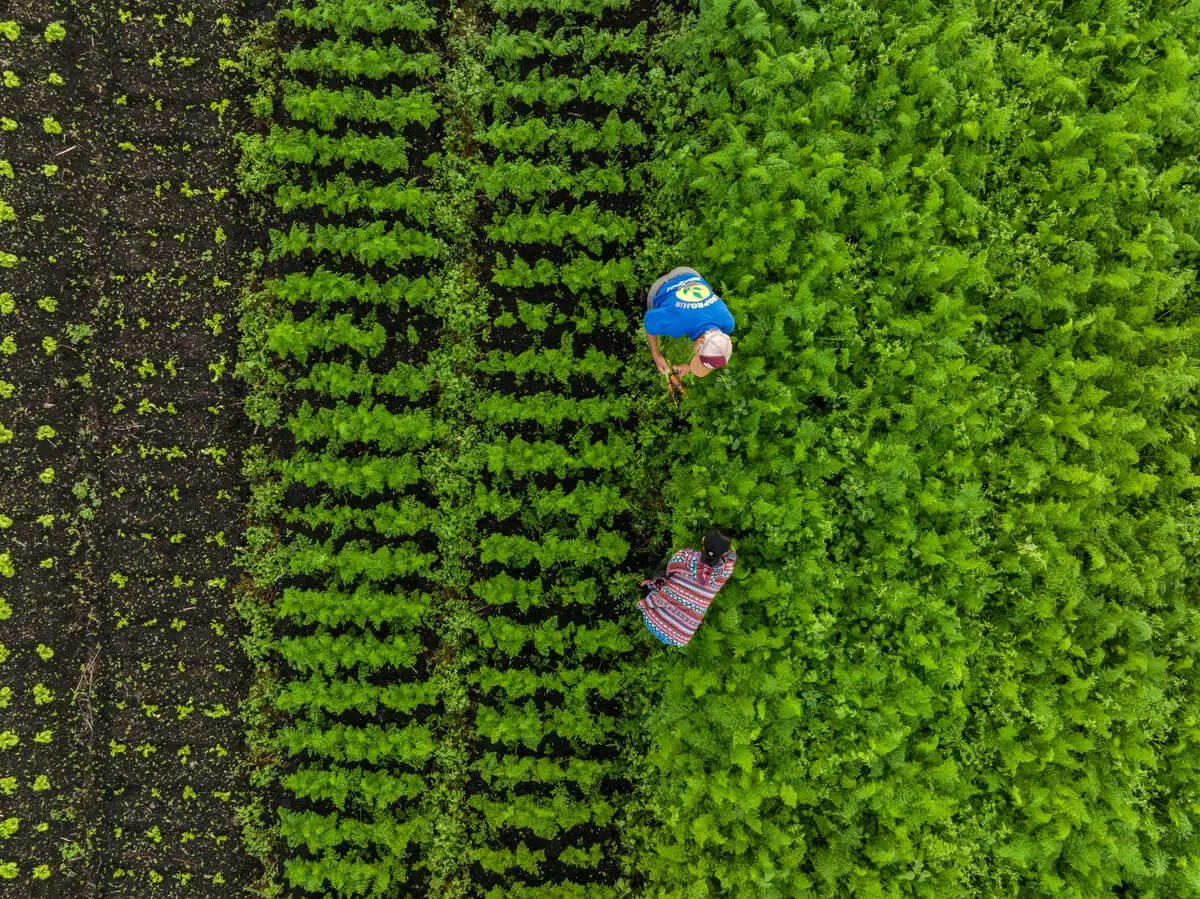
(958, 440)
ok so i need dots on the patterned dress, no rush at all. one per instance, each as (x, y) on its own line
(675, 604)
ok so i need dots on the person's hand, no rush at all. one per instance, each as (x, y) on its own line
(662, 366)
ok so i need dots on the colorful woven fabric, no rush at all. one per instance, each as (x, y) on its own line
(675, 604)
(655, 632)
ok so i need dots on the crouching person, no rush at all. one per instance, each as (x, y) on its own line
(681, 590)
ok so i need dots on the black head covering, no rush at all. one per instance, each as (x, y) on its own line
(716, 544)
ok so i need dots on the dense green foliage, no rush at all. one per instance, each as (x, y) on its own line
(954, 439)
(958, 435)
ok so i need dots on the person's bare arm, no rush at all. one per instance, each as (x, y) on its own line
(660, 361)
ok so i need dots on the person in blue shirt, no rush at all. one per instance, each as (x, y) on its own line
(681, 304)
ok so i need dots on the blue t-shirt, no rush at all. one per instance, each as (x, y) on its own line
(686, 306)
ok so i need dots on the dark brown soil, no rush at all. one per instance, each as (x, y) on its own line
(139, 237)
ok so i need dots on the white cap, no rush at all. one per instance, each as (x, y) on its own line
(715, 349)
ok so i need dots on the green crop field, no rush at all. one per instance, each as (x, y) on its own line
(332, 455)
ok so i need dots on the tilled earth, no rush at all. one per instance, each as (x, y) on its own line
(122, 239)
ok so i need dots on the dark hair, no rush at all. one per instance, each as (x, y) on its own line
(716, 544)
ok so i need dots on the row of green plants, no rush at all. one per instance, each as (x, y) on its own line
(344, 724)
(562, 140)
(39, 531)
